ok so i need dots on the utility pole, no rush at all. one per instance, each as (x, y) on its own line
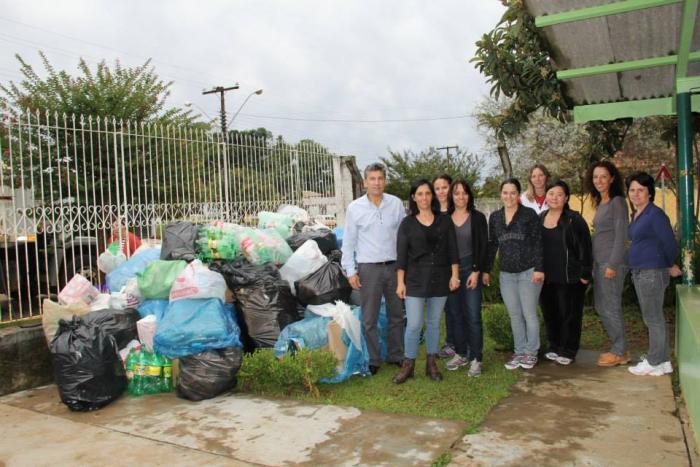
(447, 148)
(224, 140)
(221, 90)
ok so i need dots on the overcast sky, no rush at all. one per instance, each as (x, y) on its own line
(316, 60)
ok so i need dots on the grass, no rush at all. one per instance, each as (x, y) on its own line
(457, 397)
(593, 336)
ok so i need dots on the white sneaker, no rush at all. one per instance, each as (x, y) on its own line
(474, 369)
(514, 362)
(643, 368)
(551, 356)
(563, 360)
(456, 363)
(666, 367)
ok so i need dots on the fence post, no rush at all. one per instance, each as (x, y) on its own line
(344, 179)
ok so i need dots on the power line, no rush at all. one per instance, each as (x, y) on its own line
(341, 120)
(94, 44)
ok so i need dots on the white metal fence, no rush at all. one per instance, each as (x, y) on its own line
(65, 179)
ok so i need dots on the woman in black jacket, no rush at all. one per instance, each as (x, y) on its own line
(427, 269)
(568, 265)
(464, 304)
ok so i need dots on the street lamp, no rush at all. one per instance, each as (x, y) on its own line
(258, 92)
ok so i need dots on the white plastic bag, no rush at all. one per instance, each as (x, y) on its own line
(197, 281)
(123, 353)
(108, 261)
(295, 212)
(52, 313)
(341, 314)
(307, 259)
(133, 294)
(101, 302)
(78, 289)
(146, 328)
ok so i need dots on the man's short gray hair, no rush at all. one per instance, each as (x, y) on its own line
(375, 167)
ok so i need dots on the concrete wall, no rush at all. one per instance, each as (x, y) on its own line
(24, 359)
(688, 351)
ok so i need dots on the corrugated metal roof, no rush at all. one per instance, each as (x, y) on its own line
(647, 33)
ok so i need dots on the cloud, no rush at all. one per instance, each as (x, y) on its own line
(315, 59)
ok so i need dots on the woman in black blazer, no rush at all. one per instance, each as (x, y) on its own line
(464, 304)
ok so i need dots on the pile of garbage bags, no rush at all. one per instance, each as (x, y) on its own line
(181, 315)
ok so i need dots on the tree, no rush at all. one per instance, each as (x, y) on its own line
(135, 94)
(406, 166)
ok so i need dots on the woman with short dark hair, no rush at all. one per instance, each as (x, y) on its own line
(651, 256)
(514, 232)
(568, 264)
(606, 188)
(427, 269)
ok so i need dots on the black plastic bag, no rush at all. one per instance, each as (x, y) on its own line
(87, 368)
(207, 374)
(325, 285)
(267, 308)
(240, 273)
(335, 256)
(325, 238)
(120, 324)
(179, 241)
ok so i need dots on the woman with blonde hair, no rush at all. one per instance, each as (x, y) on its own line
(535, 195)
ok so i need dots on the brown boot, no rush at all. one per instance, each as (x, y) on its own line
(406, 371)
(431, 368)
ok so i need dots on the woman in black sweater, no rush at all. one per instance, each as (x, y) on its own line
(427, 269)
(464, 304)
(514, 232)
(568, 265)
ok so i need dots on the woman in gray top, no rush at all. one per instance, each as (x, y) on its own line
(609, 241)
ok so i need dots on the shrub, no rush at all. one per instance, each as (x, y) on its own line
(497, 325)
(263, 372)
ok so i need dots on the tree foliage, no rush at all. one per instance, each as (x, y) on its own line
(406, 166)
(135, 94)
(516, 62)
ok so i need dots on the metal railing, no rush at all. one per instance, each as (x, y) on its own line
(65, 179)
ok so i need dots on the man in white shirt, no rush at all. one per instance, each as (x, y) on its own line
(369, 259)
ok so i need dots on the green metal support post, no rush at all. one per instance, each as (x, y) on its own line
(686, 186)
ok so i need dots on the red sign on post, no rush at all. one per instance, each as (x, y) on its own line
(663, 174)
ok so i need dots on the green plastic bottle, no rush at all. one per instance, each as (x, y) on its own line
(167, 375)
(135, 387)
(153, 374)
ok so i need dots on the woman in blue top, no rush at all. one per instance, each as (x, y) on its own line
(650, 259)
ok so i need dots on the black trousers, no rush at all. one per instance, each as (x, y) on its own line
(562, 307)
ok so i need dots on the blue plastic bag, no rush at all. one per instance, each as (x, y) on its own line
(128, 269)
(153, 307)
(339, 231)
(195, 325)
(357, 360)
(311, 333)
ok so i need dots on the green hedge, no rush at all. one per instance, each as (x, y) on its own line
(497, 326)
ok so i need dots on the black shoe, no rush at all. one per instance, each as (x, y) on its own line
(373, 369)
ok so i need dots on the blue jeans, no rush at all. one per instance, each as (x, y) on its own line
(464, 310)
(414, 316)
(650, 285)
(607, 297)
(520, 296)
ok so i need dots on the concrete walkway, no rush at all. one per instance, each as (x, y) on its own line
(579, 415)
(36, 429)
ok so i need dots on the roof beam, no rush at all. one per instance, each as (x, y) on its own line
(630, 109)
(599, 11)
(690, 10)
(625, 66)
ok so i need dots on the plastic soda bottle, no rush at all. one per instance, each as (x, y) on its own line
(153, 373)
(167, 376)
(135, 361)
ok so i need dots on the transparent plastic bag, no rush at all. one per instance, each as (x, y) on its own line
(282, 223)
(307, 259)
(263, 246)
(77, 290)
(197, 281)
